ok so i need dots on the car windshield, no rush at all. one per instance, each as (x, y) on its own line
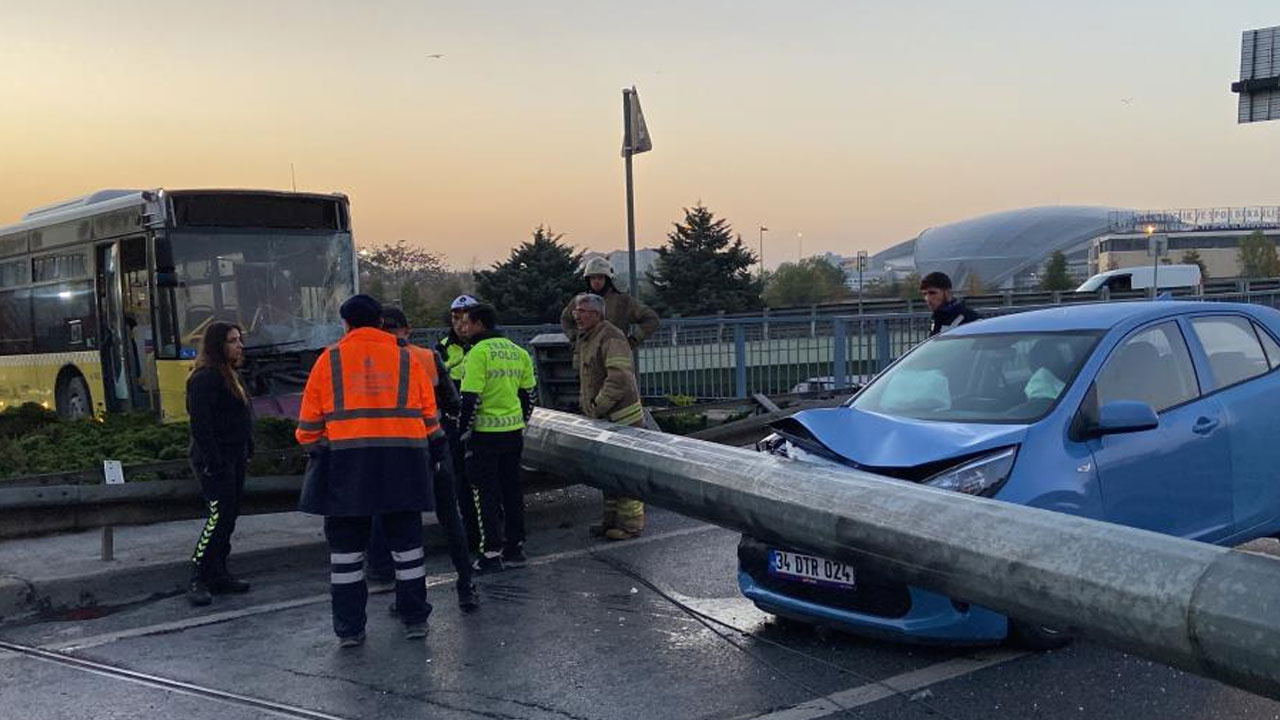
(999, 378)
(282, 287)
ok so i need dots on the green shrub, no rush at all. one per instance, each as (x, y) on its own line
(34, 441)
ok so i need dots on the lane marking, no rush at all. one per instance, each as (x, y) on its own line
(897, 685)
(434, 580)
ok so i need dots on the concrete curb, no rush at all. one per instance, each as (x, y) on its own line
(21, 598)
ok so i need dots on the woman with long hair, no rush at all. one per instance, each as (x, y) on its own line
(221, 444)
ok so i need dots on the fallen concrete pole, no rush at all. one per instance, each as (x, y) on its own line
(1202, 608)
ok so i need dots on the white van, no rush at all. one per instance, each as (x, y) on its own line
(1142, 277)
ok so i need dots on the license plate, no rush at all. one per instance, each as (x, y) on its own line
(810, 569)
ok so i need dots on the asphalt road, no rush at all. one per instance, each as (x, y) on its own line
(651, 628)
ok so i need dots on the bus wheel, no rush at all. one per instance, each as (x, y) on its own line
(73, 399)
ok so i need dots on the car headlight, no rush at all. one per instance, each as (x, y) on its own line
(773, 444)
(982, 476)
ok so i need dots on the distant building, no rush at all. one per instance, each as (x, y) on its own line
(1005, 250)
(1213, 233)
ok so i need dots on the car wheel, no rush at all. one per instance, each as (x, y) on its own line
(1035, 636)
(73, 400)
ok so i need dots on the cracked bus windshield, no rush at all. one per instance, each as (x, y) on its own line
(283, 288)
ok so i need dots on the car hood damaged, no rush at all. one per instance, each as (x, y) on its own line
(879, 442)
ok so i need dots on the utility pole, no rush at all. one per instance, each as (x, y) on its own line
(763, 230)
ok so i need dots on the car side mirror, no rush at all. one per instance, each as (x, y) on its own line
(1125, 416)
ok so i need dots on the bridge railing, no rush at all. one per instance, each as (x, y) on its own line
(723, 357)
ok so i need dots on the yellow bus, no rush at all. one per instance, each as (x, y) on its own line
(103, 299)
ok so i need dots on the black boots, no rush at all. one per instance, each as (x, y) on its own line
(198, 591)
(209, 581)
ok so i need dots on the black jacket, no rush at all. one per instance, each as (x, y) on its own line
(220, 422)
(952, 314)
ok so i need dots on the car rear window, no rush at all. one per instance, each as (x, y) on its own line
(1235, 354)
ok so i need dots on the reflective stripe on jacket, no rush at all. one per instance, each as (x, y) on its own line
(368, 412)
(607, 378)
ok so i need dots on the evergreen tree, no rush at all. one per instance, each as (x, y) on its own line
(704, 270)
(1192, 257)
(534, 283)
(811, 281)
(1257, 256)
(1055, 275)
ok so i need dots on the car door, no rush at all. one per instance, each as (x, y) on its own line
(1174, 479)
(1242, 381)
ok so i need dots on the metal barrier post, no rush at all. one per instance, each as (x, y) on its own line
(740, 359)
(840, 355)
(882, 344)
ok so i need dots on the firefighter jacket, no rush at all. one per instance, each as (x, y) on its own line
(365, 419)
(622, 311)
(608, 389)
(497, 371)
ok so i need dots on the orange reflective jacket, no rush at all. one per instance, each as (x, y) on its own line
(368, 392)
(427, 359)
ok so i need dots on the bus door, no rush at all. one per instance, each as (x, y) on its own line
(125, 322)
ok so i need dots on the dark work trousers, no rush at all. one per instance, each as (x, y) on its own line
(222, 493)
(494, 466)
(348, 540)
(445, 488)
(468, 496)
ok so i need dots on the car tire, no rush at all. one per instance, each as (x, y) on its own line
(1035, 636)
(74, 402)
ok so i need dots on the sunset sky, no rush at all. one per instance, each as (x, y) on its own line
(858, 123)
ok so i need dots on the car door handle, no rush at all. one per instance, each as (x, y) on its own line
(1204, 426)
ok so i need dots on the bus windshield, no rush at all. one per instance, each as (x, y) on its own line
(283, 288)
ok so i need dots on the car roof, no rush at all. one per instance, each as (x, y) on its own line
(1095, 316)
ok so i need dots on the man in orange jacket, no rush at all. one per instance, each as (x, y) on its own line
(366, 421)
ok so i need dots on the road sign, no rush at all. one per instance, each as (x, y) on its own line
(1259, 84)
(1157, 246)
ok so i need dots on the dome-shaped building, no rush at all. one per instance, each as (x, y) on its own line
(1003, 250)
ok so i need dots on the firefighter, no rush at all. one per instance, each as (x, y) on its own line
(636, 320)
(497, 400)
(608, 391)
(365, 421)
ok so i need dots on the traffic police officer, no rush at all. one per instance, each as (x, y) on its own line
(497, 400)
(453, 348)
(364, 421)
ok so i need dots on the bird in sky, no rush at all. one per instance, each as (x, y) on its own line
(435, 56)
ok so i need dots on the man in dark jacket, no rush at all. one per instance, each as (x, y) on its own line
(444, 483)
(948, 312)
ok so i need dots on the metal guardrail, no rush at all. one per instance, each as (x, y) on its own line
(1205, 609)
(724, 357)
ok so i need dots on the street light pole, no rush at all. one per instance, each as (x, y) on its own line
(799, 247)
(763, 230)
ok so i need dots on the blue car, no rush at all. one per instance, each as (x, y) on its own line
(1157, 415)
